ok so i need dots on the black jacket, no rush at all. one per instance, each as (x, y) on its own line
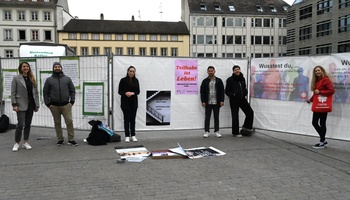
(220, 92)
(126, 86)
(236, 87)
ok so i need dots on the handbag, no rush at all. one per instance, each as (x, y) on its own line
(321, 103)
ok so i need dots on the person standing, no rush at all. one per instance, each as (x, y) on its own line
(320, 85)
(236, 90)
(212, 97)
(128, 89)
(59, 97)
(25, 100)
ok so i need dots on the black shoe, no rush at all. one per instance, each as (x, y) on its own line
(60, 142)
(319, 146)
(325, 143)
(73, 143)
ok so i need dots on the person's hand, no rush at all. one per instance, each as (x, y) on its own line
(308, 101)
(203, 104)
(129, 94)
(36, 109)
(15, 108)
(317, 91)
(221, 104)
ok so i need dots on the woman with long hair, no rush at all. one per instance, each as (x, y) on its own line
(320, 85)
(129, 88)
(25, 100)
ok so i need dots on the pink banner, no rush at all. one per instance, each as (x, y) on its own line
(186, 76)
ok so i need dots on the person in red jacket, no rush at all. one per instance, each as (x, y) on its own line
(320, 85)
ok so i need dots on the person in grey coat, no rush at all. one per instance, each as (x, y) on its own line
(59, 97)
(25, 100)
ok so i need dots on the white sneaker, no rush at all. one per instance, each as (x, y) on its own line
(206, 134)
(239, 135)
(26, 146)
(218, 134)
(133, 138)
(127, 139)
(15, 147)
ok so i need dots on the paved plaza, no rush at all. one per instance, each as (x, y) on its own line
(267, 166)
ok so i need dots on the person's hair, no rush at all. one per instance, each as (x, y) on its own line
(314, 77)
(235, 66)
(30, 73)
(127, 74)
(211, 67)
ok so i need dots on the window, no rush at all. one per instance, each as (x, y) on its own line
(108, 50)
(119, 51)
(47, 16)
(305, 32)
(153, 37)
(8, 53)
(268, 22)
(229, 21)
(7, 34)
(163, 38)
(174, 52)
(74, 49)
(72, 36)
(202, 6)
(239, 39)
(34, 15)
(239, 55)
(305, 51)
(107, 37)
(21, 15)
(240, 22)
(142, 51)
(131, 37)
(291, 52)
(344, 3)
(268, 40)
(174, 38)
(272, 8)
(95, 51)
(21, 35)
(305, 12)
(256, 22)
(35, 35)
(282, 40)
(84, 36)
(324, 28)
(46, 0)
(95, 36)
(142, 37)
(200, 21)
(324, 49)
(231, 8)
(47, 35)
(84, 51)
(118, 37)
(282, 23)
(163, 51)
(344, 24)
(130, 51)
(259, 8)
(324, 6)
(344, 46)
(204, 21)
(153, 51)
(256, 39)
(7, 15)
(217, 7)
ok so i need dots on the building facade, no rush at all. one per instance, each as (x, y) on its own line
(23, 21)
(236, 29)
(141, 38)
(318, 27)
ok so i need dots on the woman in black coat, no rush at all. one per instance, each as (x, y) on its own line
(129, 88)
(236, 90)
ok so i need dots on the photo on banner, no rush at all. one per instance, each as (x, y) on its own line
(158, 108)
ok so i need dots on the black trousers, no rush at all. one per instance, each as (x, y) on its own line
(235, 104)
(319, 123)
(129, 121)
(24, 119)
(208, 110)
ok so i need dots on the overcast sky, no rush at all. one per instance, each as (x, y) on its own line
(153, 10)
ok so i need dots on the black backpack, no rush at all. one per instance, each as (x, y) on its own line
(4, 123)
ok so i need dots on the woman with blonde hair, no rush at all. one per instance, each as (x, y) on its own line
(25, 100)
(320, 85)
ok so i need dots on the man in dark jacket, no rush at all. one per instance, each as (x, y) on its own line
(212, 97)
(59, 97)
(236, 90)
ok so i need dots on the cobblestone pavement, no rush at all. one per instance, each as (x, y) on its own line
(267, 166)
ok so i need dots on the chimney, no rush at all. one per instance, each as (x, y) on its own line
(132, 18)
(101, 16)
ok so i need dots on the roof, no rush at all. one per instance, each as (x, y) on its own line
(28, 3)
(240, 7)
(125, 27)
